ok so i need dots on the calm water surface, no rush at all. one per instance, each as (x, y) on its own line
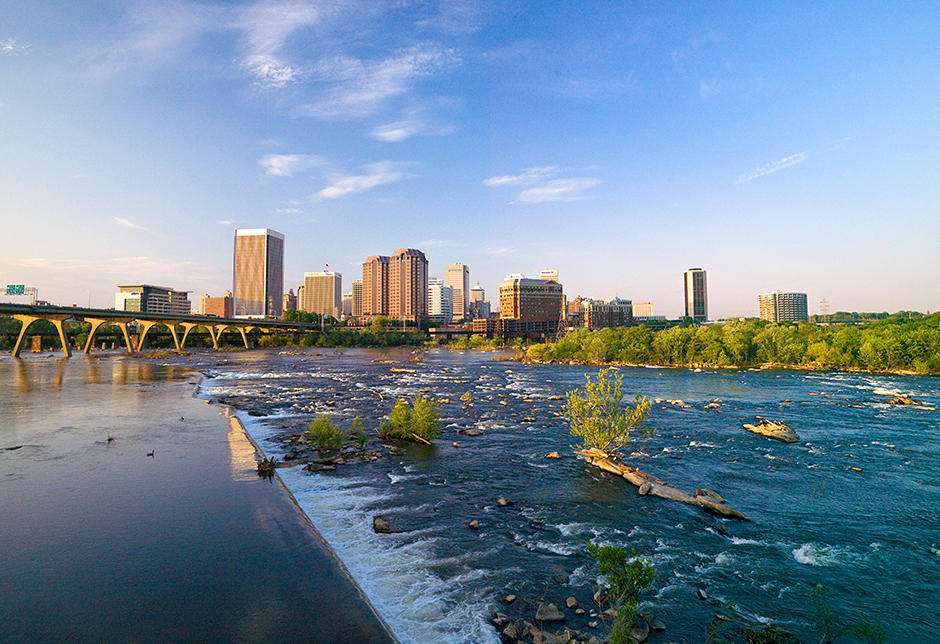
(102, 543)
(872, 538)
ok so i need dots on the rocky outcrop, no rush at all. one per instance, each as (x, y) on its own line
(771, 429)
(549, 613)
(651, 485)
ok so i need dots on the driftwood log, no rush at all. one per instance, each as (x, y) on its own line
(649, 484)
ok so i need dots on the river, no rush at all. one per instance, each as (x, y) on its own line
(869, 535)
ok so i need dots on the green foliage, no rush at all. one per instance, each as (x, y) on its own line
(597, 416)
(406, 421)
(358, 431)
(628, 579)
(324, 434)
(899, 342)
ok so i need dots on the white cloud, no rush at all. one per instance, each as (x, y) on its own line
(376, 174)
(776, 166)
(359, 88)
(287, 165)
(407, 128)
(558, 190)
(499, 250)
(289, 211)
(527, 177)
(10, 46)
(225, 222)
(127, 223)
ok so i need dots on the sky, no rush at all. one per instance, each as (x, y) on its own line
(779, 145)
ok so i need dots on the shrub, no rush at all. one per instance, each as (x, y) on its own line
(627, 580)
(407, 421)
(598, 418)
(324, 434)
(358, 432)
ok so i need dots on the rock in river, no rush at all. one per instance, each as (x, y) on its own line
(772, 429)
(380, 525)
(549, 613)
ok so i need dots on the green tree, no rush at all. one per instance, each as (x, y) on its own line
(597, 416)
(324, 434)
(418, 420)
(628, 576)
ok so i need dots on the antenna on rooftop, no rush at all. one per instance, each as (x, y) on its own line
(824, 308)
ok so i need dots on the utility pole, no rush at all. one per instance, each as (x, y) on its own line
(824, 309)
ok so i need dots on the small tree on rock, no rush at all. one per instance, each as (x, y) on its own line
(598, 418)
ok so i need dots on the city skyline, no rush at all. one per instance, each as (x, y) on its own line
(618, 145)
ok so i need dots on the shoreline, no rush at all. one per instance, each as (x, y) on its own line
(236, 423)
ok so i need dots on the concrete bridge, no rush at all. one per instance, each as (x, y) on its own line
(58, 315)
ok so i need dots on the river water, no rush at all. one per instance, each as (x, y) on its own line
(870, 537)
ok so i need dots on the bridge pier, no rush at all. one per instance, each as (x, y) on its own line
(146, 325)
(96, 323)
(57, 321)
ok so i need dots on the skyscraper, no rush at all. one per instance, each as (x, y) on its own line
(440, 301)
(696, 295)
(408, 285)
(357, 298)
(781, 307)
(323, 293)
(258, 273)
(375, 285)
(458, 279)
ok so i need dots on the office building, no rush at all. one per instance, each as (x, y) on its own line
(147, 298)
(458, 279)
(642, 310)
(534, 308)
(440, 301)
(290, 300)
(598, 314)
(357, 298)
(549, 275)
(783, 307)
(220, 307)
(347, 304)
(408, 285)
(258, 273)
(375, 285)
(696, 295)
(323, 293)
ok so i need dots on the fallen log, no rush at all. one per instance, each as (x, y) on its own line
(649, 484)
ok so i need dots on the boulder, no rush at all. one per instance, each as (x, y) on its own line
(499, 620)
(579, 611)
(509, 599)
(701, 594)
(501, 502)
(571, 602)
(474, 525)
(770, 429)
(639, 630)
(609, 615)
(644, 488)
(548, 613)
(380, 525)
(553, 455)
(600, 596)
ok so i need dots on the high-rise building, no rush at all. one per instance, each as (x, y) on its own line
(598, 314)
(347, 304)
(290, 300)
(258, 273)
(530, 299)
(642, 309)
(440, 301)
(147, 298)
(696, 295)
(783, 307)
(408, 285)
(549, 275)
(220, 307)
(478, 307)
(458, 279)
(375, 285)
(323, 293)
(357, 298)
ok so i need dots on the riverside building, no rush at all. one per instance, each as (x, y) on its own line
(457, 278)
(396, 286)
(527, 308)
(375, 285)
(783, 307)
(357, 298)
(147, 298)
(696, 295)
(220, 307)
(440, 301)
(323, 293)
(598, 314)
(258, 273)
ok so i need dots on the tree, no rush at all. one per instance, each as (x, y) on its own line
(597, 416)
(416, 421)
(627, 578)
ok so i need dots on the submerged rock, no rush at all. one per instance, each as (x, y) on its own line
(553, 455)
(709, 494)
(771, 429)
(571, 602)
(474, 525)
(549, 613)
(381, 525)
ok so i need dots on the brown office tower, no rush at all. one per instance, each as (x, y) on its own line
(357, 298)
(375, 285)
(531, 300)
(407, 285)
(220, 307)
(258, 273)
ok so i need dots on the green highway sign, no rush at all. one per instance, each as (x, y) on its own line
(16, 289)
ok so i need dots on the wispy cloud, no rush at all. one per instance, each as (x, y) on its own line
(416, 123)
(571, 189)
(499, 250)
(289, 211)
(287, 165)
(10, 46)
(358, 88)
(776, 166)
(225, 222)
(127, 223)
(543, 185)
(129, 269)
(374, 175)
(526, 177)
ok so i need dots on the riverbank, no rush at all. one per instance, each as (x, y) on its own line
(133, 512)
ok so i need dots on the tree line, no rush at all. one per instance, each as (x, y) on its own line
(894, 344)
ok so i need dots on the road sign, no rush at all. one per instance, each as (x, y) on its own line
(16, 289)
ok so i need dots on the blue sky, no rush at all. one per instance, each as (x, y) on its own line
(791, 146)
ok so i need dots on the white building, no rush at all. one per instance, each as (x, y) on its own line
(440, 301)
